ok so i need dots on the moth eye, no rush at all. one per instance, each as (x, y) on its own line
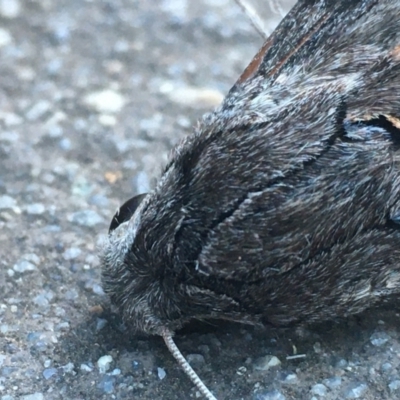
(395, 218)
(126, 211)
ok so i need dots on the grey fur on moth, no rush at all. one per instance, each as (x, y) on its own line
(282, 206)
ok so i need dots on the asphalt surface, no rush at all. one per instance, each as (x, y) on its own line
(93, 95)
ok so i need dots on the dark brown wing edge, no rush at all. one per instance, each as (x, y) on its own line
(301, 30)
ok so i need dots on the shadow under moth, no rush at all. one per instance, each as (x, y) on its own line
(283, 206)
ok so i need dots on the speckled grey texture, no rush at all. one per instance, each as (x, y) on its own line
(93, 94)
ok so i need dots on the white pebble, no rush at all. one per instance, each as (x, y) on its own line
(379, 338)
(107, 120)
(7, 202)
(86, 368)
(10, 8)
(5, 37)
(9, 136)
(319, 389)
(23, 266)
(34, 396)
(32, 257)
(35, 209)
(196, 97)
(161, 373)
(72, 253)
(38, 110)
(394, 385)
(105, 101)
(68, 368)
(266, 362)
(103, 363)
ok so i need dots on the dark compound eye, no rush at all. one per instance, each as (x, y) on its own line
(126, 211)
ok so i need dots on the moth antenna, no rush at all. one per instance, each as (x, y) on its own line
(253, 17)
(172, 347)
(276, 7)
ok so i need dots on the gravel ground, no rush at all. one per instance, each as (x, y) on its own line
(93, 95)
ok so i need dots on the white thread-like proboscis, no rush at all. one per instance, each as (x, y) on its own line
(253, 17)
(186, 366)
(276, 8)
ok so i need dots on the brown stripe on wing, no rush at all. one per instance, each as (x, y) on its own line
(288, 30)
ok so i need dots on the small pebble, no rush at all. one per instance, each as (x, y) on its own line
(68, 368)
(38, 110)
(7, 397)
(11, 119)
(193, 97)
(23, 266)
(107, 384)
(99, 200)
(8, 371)
(41, 300)
(386, 367)
(86, 368)
(342, 363)
(135, 364)
(65, 144)
(32, 257)
(289, 377)
(266, 362)
(49, 372)
(195, 359)
(7, 202)
(95, 288)
(333, 383)
(161, 373)
(241, 370)
(319, 389)
(355, 390)
(151, 125)
(177, 8)
(72, 253)
(10, 8)
(9, 136)
(105, 101)
(35, 209)
(317, 347)
(269, 395)
(379, 338)
(115, 372)
(88, 218)
(81, 186)
(103, 363)
(62, 326)
(394, 385)
(5, 37)
(100, 324)
(107, 120)
(34, 396)
(33, 336)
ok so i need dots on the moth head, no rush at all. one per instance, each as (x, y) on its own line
(132, 290)
(131, 277)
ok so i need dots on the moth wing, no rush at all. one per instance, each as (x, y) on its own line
(337, 65)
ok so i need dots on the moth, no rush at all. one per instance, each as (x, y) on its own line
(283, 206)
